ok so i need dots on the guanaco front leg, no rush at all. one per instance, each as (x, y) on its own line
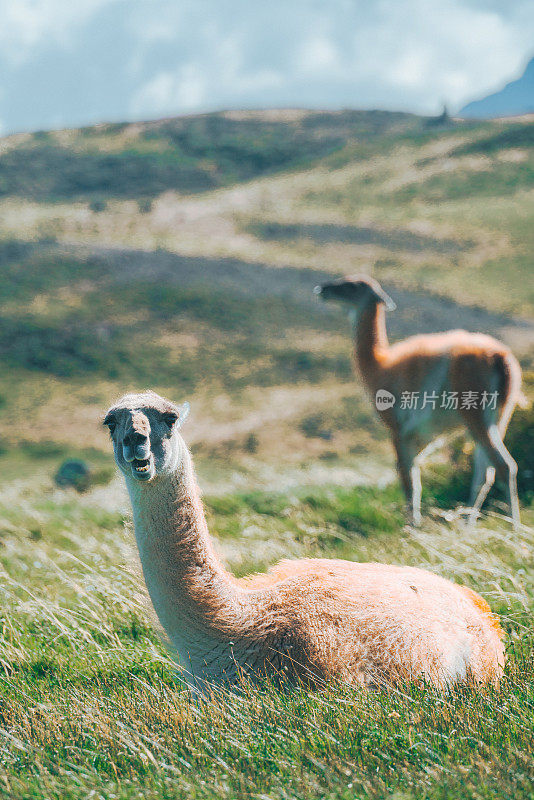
(483, 480)
(409, 470)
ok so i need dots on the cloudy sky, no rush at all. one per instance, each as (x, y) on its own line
(69, 62)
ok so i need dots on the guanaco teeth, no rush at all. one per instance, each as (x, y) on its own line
(142, 466)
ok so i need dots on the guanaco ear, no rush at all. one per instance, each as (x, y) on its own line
(177, 417)
(183, 411)
(386, 299)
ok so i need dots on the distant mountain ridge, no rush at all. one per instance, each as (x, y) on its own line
(515, 98)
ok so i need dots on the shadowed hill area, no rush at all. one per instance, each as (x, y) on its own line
(347, 234)
(81, 306)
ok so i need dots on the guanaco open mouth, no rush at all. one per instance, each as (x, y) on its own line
(141, 467)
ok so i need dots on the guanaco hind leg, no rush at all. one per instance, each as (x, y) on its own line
(501, 463)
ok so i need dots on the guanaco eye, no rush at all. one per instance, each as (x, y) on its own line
(169, 418)
(110, 423)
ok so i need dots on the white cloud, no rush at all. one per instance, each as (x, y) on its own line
(410, 70)
(447, 48)
(185, 90)
(317, 54)
(28, 23)
(201, 82)
(173, 56)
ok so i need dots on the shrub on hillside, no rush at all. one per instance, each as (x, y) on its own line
(80, 476)
(97, 206)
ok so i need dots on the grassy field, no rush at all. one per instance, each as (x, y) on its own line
(182, 255)
(91, 703)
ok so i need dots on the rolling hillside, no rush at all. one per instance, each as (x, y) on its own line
(120, 272)
(185, 154)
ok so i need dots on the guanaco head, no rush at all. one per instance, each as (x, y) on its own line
(144, 431)
(357, 291)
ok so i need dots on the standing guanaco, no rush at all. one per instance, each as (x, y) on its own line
(427, 385)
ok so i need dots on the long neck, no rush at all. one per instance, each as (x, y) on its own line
(194, 597)
(370, 340)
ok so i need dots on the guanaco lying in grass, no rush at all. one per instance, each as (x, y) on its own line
(304, 621)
